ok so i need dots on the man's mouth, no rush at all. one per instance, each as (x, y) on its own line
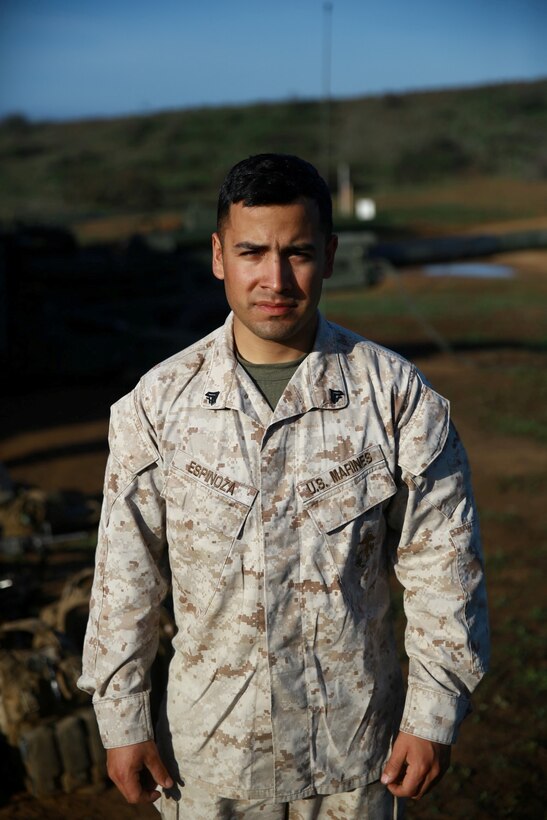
(275, 308)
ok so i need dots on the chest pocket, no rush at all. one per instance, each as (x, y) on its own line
(347, 511)
(206, 511)
(347, 490)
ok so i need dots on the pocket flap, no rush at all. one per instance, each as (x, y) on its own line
(348, 490)
(218, 500)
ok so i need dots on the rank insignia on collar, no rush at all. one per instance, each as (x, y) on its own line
(336, 395)
(212, 397)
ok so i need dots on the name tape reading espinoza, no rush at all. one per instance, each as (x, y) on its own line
(353, 466)
(228, 486)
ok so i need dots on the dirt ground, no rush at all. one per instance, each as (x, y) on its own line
(56, 439)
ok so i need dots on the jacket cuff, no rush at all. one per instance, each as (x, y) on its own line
(123, 721)
(432, 714)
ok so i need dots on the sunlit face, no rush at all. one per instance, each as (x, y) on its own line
(273, 260)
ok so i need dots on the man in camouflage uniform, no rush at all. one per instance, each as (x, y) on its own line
(279, 467)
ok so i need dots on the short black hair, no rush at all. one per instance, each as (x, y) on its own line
(274, 179)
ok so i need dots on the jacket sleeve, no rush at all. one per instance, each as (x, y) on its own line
(438, 560)
(130, 582)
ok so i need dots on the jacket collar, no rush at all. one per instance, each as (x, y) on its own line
(318, 382)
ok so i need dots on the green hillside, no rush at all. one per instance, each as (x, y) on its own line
(175, 161)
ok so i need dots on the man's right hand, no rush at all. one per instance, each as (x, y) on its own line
(137, 770)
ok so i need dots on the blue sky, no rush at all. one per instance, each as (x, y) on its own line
(83, 58)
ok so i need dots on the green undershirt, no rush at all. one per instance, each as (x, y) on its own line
(271, 379)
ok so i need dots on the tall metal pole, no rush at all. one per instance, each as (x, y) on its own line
(326, 112)
(327, 54)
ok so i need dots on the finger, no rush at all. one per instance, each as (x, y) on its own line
(130, 786)
(408, 788)
(418, 780)
(412, 782)
(136, 783)
(148, 786)
(432, 777)
(394, 769)
(158, 771)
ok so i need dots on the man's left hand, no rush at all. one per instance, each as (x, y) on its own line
(415, 765)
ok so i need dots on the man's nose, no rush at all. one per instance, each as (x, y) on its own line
(279, 274)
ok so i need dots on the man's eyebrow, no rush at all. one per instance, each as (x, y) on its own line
(294, 246)
(250, 246)
(300, 246)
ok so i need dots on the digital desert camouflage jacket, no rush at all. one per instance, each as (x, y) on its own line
(277, 531)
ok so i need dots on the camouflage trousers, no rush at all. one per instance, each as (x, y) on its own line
(372, 802)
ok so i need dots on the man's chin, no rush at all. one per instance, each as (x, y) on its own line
(275, 329)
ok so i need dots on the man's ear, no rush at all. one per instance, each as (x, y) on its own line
(218, 262)
(330, 253)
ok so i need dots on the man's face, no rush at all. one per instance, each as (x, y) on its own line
(273, 260)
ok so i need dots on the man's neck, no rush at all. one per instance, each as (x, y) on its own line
(256, 350)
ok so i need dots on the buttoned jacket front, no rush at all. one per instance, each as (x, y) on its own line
(276, 531)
